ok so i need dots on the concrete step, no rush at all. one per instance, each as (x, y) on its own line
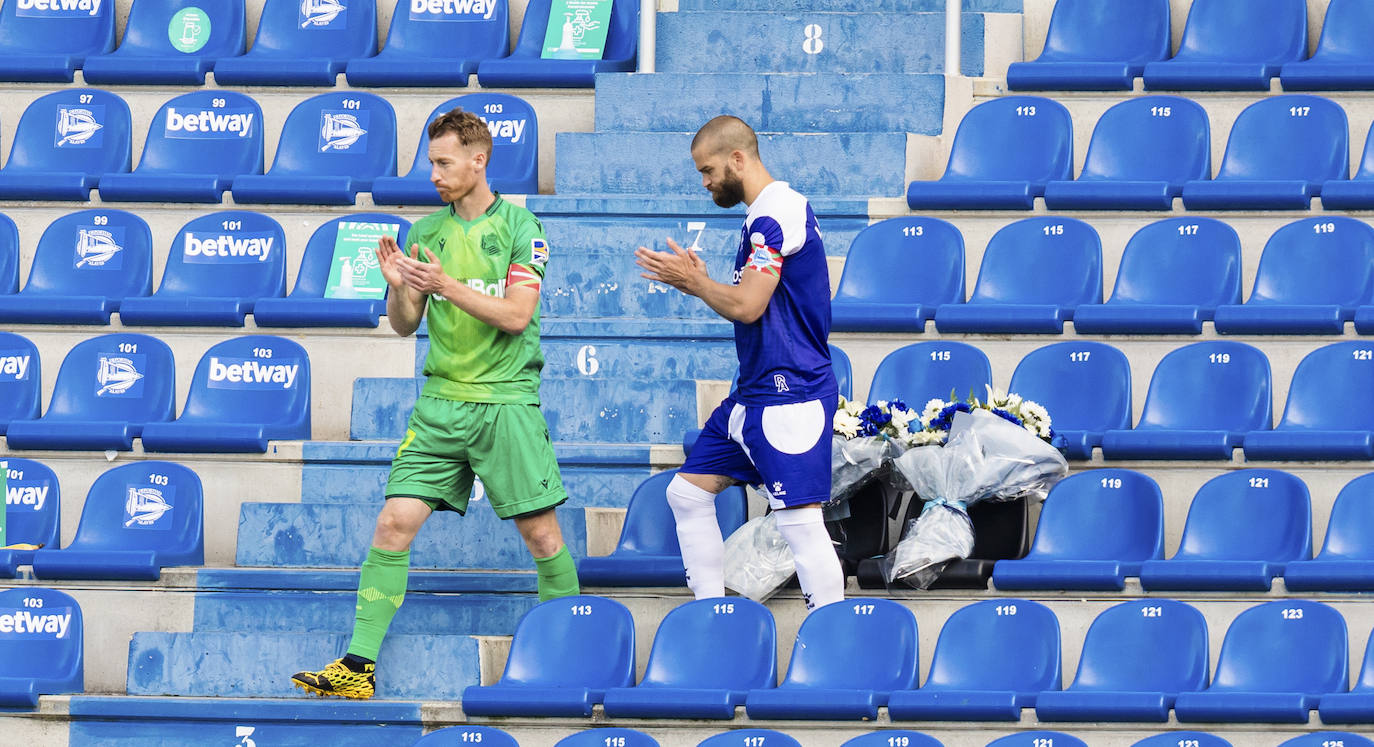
(813, 41)
(589, 411)
(319, 535)
(269, 612)
(255, 664)
(836, 164)
(586, 485)
(774, 102)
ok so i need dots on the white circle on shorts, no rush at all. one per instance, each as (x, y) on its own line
(794, 428)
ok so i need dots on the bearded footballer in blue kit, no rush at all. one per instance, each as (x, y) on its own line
(774, 428)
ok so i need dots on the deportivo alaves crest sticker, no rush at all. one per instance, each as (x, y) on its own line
(189, 29)
(355, 272)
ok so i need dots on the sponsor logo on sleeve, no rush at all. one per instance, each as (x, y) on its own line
(539, 252)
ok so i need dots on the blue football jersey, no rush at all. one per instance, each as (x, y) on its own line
(784, 357)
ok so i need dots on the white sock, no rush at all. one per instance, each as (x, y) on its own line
(818, 568)
(698, 534)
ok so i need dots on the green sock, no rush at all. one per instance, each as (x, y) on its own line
(381, 589)
(557, 575)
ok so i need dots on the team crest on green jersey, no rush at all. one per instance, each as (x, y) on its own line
(491, 244)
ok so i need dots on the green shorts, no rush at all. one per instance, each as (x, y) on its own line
(507, 446)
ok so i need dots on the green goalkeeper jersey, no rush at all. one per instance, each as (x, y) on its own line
(470, 360)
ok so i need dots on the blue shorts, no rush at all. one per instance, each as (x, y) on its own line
(785, 449)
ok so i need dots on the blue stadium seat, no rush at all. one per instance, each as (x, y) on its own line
(138, 519)
(1004, 153)
(1342, 61)
(1356, 193)
(1346, 560)
(438, 45)
(218, 266)
(1137, 657)
(48, 44)
(1281, 151)
(1092, 46)
(896, 273)
(1329, 739)
(173, 42)
(526, 68)
(1356, 706)
(86, 264)
(893, 738)
(514, 164)
(1087, 387)
(1142, 152)
(467, 734)
(750, 738)
(197, 144)
(1203, 399)
(331, 148)
(1035, 272)
(1096, 528)
(1330, 408)
(65, 142)
(606, 737)
(307, 305)
(1312, 276)
(924, 370)
(21, 379)
(9, 256)
(33, 511)
(303, 44)
(647, 553)
(993, 658)
(1038, 739)
(836, 672)
(844, 372)
(564, 656)
(707, 655)
(1172, 276)
(246, 391)
(1243, 528)
(108, 389)
(1190, 738)
(46, 655)
(1233, 45)
(1277, 661)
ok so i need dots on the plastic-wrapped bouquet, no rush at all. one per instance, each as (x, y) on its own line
(866, 439)
(996, 449)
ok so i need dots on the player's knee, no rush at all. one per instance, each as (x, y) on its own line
(394, 532)
(800, 516)
(687, 499)
(541, 533)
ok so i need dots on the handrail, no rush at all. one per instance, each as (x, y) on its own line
(953, 33)
(648, 23)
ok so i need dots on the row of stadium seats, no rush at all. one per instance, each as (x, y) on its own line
(621, 737)
(431, 43)
(220, 268)
(205, 143)
(114, 388)
(1314, 276)
(1205, 399)
(1282, 152)
(1244, 529)
(1227, 45)
(1140, 659)
(137, 519)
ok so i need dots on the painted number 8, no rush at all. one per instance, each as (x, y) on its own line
(813, 43)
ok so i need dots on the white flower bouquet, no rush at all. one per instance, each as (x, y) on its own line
(866, 439)
(993, 450)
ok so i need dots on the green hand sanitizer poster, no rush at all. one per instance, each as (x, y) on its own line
(577, 29)
(355, 272)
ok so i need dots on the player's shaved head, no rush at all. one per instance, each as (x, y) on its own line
(725, 134)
